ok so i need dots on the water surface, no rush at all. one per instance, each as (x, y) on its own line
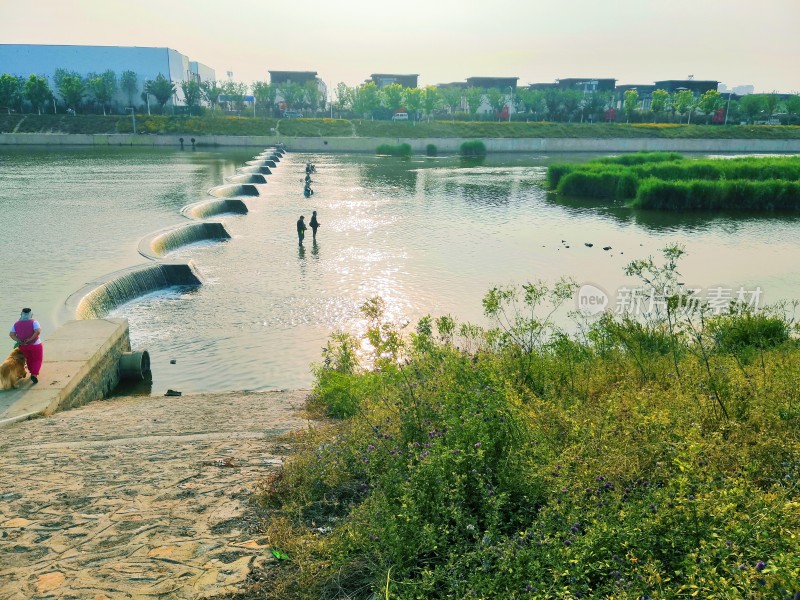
(429, 235)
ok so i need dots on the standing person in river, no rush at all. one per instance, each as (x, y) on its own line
(301, 229)
(26, 333)
(314, 225)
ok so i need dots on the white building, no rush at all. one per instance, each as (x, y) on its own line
(23, 60)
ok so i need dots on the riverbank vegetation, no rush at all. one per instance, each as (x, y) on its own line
(668, 181)
(394, 149)
(230, 125)
(578, 102)
(637, 457)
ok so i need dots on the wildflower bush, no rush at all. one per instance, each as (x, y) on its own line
(627, 460)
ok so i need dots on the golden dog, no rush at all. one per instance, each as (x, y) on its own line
(12, 369)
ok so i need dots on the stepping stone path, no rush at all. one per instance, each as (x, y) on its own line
(139, 497)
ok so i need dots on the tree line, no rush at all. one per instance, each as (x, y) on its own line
(97, 92)
(559, 105)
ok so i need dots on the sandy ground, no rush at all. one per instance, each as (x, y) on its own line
(139, 497)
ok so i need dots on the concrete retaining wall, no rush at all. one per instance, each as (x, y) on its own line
(444, 145)
(81, 364)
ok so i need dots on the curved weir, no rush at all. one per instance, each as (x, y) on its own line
(247, 178)
(97, 299)
(162, 243)
(232, 190)
(211, 208)
(262, 170)
(261, 163)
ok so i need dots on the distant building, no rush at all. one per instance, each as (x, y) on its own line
(645, 92)
(201, 72)
(500, 83)
(696, 86)
(43, 60)
(384, 79)
(540, 87)
(277, 78)
(587, 84)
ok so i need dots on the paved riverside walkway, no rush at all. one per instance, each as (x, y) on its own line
(139, 497)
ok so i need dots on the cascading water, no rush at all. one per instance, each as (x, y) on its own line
(247, 178)
(162, 244)
(212, 208)
(127, 286)
(232, 190)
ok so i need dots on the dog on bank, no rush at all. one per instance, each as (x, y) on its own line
(12, 369)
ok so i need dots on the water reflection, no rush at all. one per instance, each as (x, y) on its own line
(731, 222)
(389, 172)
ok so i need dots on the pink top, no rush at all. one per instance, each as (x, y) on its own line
(24, 329)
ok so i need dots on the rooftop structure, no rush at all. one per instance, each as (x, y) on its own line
(384, 79)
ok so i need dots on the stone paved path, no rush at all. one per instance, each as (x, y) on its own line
(138, 497)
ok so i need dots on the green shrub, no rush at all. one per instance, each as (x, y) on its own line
(556, 171)
(640, 158)
(768, 196)
(520, 462)
(394, 149)
(473, 148)
(733, 333)
(431, 150)
(609, 184)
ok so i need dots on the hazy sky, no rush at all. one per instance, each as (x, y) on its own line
(635, 41)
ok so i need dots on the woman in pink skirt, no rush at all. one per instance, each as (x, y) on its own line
(26, 332)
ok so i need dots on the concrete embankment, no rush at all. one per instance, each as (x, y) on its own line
(140, 497)
(418, 145)
(81, 364)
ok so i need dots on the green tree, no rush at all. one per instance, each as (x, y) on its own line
(37, 91)
(344, 97)
(630, 103)
(451, 97)
(235, 93)
(658, 103)
(264, 93)
(571, 102)
(594, 104)
(709, 102)
(161, 89)
(191, 94)
(752, 105)
(312, 95)
(413, 98)
(474, 99)
(71, 86)
(129, 84)
(393, 96)
(102, 86)
(210, 91)
(10, 89)
(293, 95)
(430, 100)
(367, 99)
(496, 99)
(792, 105)
(683, 102)
(771, 103)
